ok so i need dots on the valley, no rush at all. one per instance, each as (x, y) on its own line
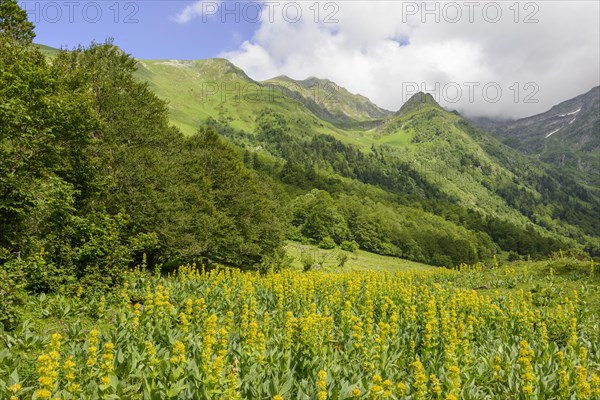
(175, 229)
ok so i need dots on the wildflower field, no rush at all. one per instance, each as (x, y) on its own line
(521, 331)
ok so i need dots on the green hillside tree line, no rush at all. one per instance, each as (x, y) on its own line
(385, 204)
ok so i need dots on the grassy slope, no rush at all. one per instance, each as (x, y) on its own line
(545, 283)
(47, 50)
(182, 83)
(461, 164)
(546, 287)
(335, 102)
(431, 140)
(215, 88)
(357, 261)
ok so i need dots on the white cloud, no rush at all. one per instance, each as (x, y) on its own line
(189, 12)
(366, 51)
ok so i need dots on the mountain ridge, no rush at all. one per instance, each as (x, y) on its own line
(336, 103)
(566, 136)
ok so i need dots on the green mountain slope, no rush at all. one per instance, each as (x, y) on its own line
(47, 50)
(567, 135)
(423, 168)
(215, 88)
(329, 101)
(480, 173)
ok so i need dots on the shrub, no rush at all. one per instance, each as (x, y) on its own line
(41, 274)
(307, 262)
(10, 295)
(349, 245)
(275, 263)
(327, 243)
(342, 259)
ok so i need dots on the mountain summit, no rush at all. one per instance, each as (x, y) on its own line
(330, 101)
(418, 100)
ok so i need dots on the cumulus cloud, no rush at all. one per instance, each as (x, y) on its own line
(482, 58)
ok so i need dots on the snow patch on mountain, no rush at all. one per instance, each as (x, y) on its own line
(550, 134)
(571, 113)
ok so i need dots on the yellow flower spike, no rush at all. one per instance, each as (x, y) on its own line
(46, 381)
(93, 338)
(216, 369)
(582, 355)
(108, 357)
(150, 352)
(595, 385)
(105, 380)
(584, 390)
(564, 383)
(260, 346)
(178, 353)
(48, 368)
(42, 394)
(44, 358)
(55, 343)
(420, 380)
(435, 385)
(189, 307)
(561, 356)
(525, 361)
(184, 322)
(252, 334)
(322, 385)
(14, 389)
(454, 377)
(232, 383)
(377, 379)
(497, 368)
(574, 336)
(401, 389)
(544, 333)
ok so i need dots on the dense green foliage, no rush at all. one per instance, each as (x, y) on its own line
(14, 23)
(388, 204)
(92, 176)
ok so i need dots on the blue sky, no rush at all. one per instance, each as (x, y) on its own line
(146, 29)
